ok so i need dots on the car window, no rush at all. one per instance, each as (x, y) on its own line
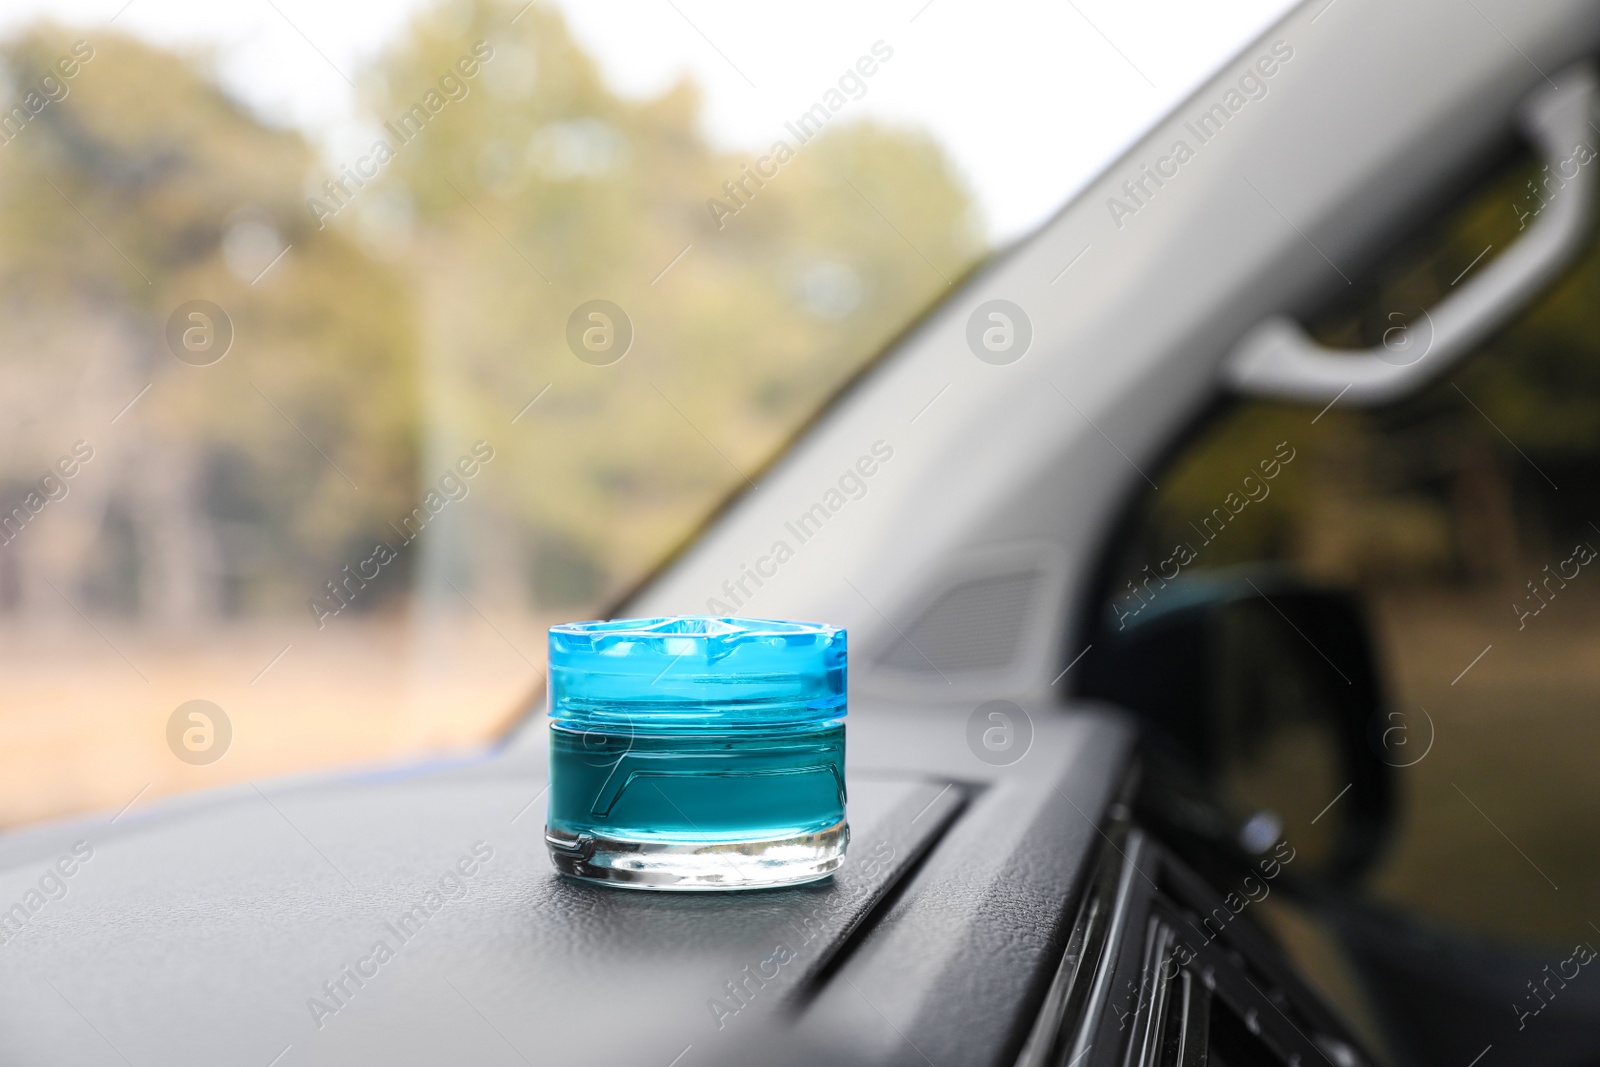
(1467, 521)
(275, 423)
(344, 348)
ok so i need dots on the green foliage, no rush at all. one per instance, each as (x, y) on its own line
(422, 307)
(535, 194)
(115, 208)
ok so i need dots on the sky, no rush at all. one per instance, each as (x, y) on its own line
(1030, 99)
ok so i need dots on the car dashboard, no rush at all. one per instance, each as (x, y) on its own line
(985, 915)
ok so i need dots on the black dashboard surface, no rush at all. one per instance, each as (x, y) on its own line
(412, 916)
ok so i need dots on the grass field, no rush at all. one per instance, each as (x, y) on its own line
(83, 712)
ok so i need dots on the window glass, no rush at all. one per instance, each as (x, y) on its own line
(344, 347)
(302, 453)
(1467, 519)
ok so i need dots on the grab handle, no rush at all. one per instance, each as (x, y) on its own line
(1278, 359)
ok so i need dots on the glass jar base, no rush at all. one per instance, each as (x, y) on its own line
(757, 864)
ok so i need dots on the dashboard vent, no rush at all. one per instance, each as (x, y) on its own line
(1159, 972)
(974, 626)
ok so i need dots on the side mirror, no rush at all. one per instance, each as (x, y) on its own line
(1259, 697)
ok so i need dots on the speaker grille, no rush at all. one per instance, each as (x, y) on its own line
(974, 626)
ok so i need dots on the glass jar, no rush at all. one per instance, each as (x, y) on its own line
(697, 753)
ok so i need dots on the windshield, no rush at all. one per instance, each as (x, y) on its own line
(348, 347)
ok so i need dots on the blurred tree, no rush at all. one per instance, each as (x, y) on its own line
(420, 303)
(542, 189)
(203, 497)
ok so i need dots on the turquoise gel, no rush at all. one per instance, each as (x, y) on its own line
(697, 753)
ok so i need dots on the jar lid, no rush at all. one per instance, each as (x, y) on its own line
(695, 672)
